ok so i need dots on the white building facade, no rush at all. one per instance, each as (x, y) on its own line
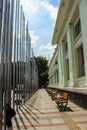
(70, 35)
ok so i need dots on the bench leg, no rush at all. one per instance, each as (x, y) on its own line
(62, 106)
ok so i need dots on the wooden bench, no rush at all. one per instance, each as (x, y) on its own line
(52, 92)
(62, 101)
(54, 95)
(49, 91)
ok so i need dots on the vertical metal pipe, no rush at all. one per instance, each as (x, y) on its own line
(10, 69)
(19, 29)
(23, 56)
(6, 60)
(27, 75)
(14, 51)
(28, 61)
(10, 25)
(16, 54)
(2, 43)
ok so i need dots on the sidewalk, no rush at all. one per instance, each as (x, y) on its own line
(41, 113)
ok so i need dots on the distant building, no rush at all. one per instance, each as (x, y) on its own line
(68, 67)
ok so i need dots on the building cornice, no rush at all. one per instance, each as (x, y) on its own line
(64, 9)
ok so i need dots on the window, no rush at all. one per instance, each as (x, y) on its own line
(67, 69)
(66, 47)
(77, 29)
(80, 65)
(57, 76)
(56, 62)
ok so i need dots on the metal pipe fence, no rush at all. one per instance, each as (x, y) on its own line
(18, 70)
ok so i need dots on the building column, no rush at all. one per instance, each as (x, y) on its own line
(53, 79)
(56, 79)
(72, 69)
(61, 66)
(60, 71)
(83, 18)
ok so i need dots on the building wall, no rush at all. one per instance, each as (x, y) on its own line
(72, 48)
(53, 70)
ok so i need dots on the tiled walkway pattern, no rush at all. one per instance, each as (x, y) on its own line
(41, 113)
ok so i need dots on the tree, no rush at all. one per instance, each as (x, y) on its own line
(42, 64)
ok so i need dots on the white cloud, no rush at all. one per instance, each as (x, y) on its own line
(34, 11)
(50, 8)
(32, 6)
(47, 50)
(45, 47)
(34, 38)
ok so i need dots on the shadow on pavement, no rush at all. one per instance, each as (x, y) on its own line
(17, 124)
(21, 119)
(68, 109)
(25, 112)
(28, 108)
(28, 119)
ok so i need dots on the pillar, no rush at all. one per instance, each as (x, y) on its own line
(83, 18)
(71, 55)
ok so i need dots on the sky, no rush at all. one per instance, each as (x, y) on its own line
(41, 16)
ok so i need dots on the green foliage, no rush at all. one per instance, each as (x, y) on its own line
(42, 64)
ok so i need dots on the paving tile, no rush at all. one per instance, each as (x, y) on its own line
(41, 113)
(58, 121)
